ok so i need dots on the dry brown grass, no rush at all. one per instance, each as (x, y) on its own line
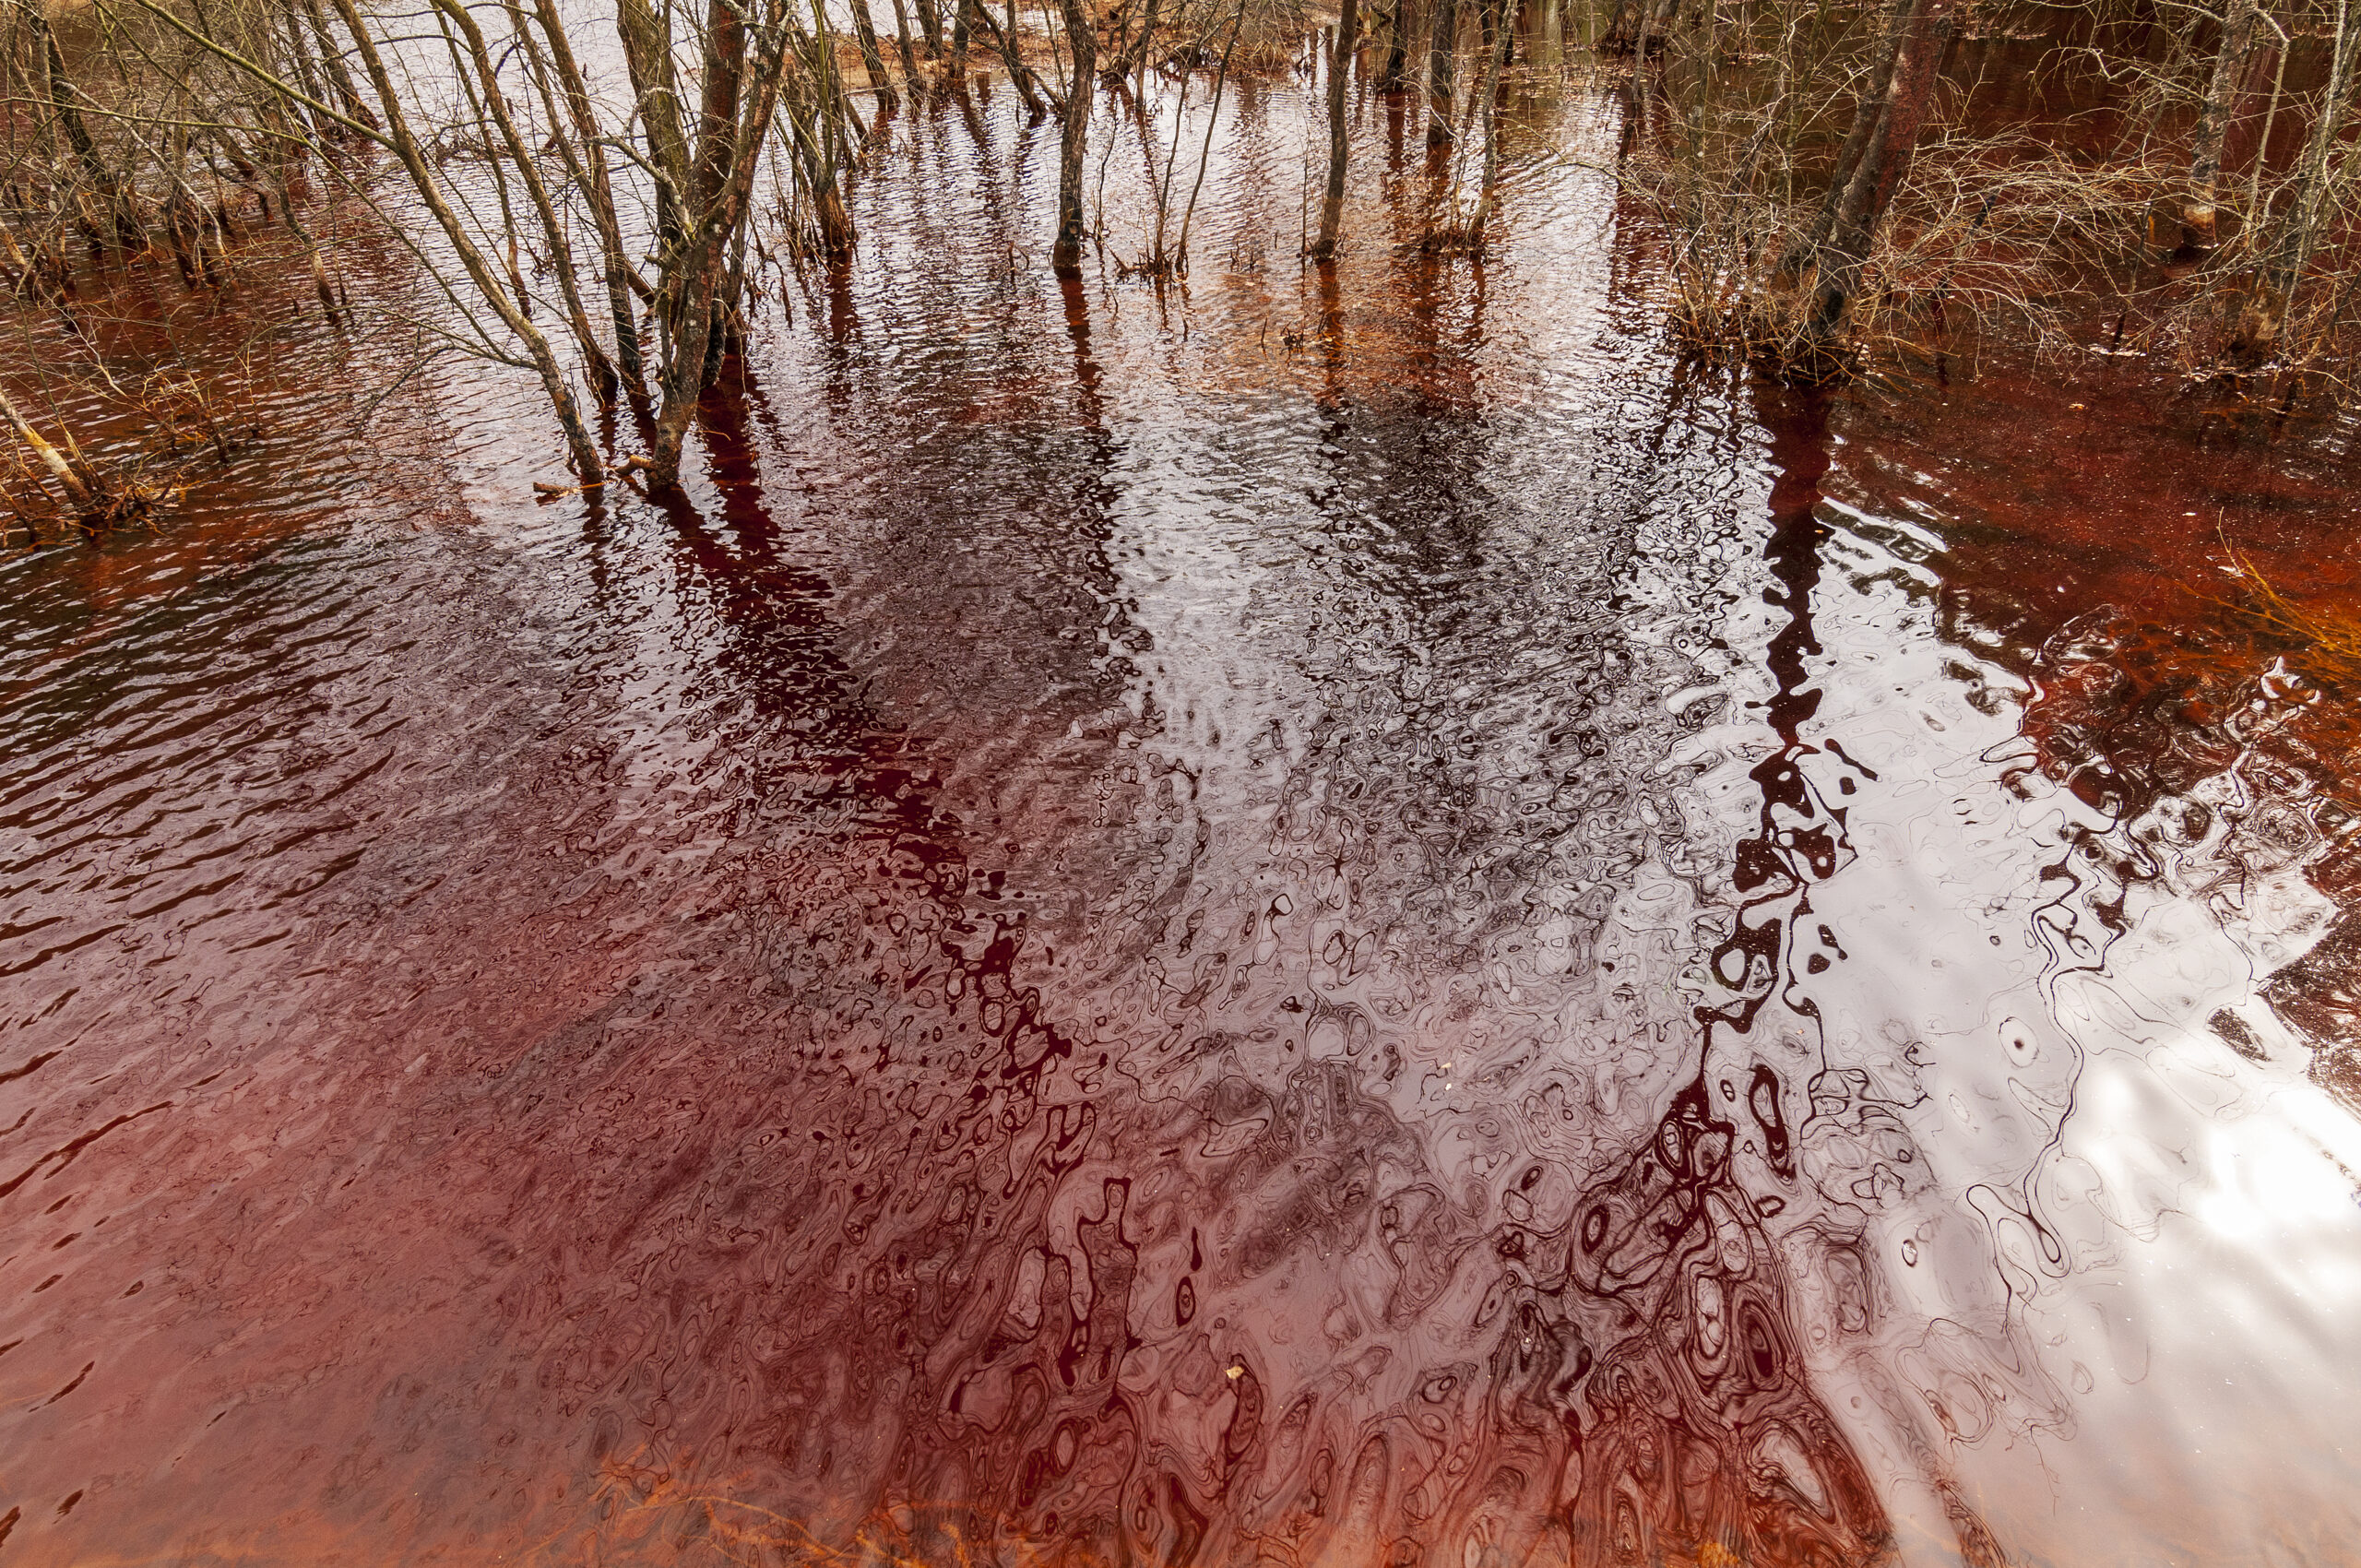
(2331, 636)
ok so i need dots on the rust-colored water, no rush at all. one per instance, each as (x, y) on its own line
(1334, 920)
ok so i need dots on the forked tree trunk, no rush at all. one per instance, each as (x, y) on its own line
(733, 123)
(1134, 63)
(1340, 68)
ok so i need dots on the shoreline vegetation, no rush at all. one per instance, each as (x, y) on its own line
(595, 195)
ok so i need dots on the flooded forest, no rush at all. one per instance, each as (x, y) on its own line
(1181, 783)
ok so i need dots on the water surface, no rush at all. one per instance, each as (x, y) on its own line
(1325, 918)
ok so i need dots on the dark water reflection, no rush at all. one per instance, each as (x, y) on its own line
(1345, 920)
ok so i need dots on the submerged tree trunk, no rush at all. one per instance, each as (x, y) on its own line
(1389, 76)
(873, 59)
(2263, 321)
(1340, 68)
(692, 291)
(962, 23)
(1828, 257)
(1494, 57)
(1442, 55)
(2198, 213)
(62, 96)
(1073, 137)
(420, 167)
(586, 163)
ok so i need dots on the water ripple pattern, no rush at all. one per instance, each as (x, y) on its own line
(1324, 917)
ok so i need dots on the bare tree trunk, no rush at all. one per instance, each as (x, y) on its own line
(2213, 123)
(962, 26)
(1397, 48)
(1804, 247)
(1082, 39)
(2264, 320)
(1340, 65)
(871, 59)
(587, 160)
(1494, 58)
(1020, 74)
(415, 163)
(1442, 55)
(902, 45)
(1134, 62)
(62, 94)
(603, 380)
(738, 98)
(80, 494)
(930, 27)
(332, 65)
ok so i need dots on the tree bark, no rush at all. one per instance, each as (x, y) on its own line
(2263, 321)
(1884, 134)
(2198, 212)
(1082, 39)
(420, 169)
(1442, 55)
(873, 59)
(80, 494)
(1340, 66)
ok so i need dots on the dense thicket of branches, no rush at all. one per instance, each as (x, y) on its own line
(1830, 178)
(591, 188)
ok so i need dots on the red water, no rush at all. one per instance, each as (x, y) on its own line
(1341, 919)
